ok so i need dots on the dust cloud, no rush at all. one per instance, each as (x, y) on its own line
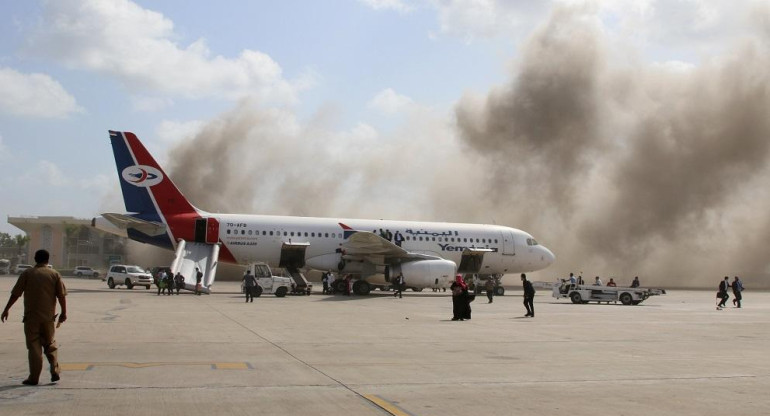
(620, 166)
(628, 168)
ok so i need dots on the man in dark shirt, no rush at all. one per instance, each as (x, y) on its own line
(41, 287)
(529, 295)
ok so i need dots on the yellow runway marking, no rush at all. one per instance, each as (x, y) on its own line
(385, 405)
(213, 365)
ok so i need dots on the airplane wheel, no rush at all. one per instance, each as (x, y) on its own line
(576, 298)
(626, 299)
(361, 288)
(111, 283)
(281, 292)
(499, 291)
(416, 289)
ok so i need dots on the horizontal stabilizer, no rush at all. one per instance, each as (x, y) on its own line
(124, 222)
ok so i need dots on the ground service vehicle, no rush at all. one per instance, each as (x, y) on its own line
(590, 293)
(121, 274)
(267, 283)
(5, 266)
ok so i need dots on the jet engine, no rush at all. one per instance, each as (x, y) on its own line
(425, 273)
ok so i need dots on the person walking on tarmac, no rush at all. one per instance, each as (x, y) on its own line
(249, 285)
(737, 289)
(722, 293)
(325, 282)
(198, 278)
(489, 286)
(178, 281)
(529, 296)
(41, 286)
(169, 283)
(399, 285)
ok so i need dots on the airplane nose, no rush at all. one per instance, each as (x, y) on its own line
(548, 256)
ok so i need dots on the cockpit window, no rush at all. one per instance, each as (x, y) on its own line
(531, 242)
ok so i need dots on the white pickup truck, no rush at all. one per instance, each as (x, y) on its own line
(589, 293)
(267, 283)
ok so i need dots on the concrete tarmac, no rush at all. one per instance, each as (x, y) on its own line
(131, 352)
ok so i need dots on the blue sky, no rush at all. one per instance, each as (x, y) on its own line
(70, 70)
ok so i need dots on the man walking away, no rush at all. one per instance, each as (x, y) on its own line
(41, 287)
(178, 281)
(399, 285)
(325, 281)
(529, 295)
(722, 293)
(198, 278)
(490, 288)
(737, 289)
(249, 283)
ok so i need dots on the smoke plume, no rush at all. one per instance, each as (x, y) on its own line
(621, 167)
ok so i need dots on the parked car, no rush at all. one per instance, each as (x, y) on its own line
(122, 274)
(86, 271)
(21, 267)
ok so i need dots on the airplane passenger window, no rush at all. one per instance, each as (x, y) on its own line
(326, 235)
(433, 238)
(408, 238)
(312, 234)
(264, 232)
(465, 240)
(228, 231)
(453, 239)
(495, 241)
(243, 232)
(271, 233)
(250, 232)
(420, 238)
(305, 233)
(292, 233)
(285, 233)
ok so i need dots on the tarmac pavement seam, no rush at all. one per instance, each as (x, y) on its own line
(287, 352)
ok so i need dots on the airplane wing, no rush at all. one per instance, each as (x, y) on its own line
(367, 243)
(125, 222)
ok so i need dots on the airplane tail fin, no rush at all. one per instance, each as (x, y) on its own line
(147, 190)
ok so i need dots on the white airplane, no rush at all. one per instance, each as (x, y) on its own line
(429, 254)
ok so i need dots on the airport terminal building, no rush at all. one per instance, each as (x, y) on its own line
(71, 241)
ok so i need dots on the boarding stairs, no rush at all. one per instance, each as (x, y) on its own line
(190, 255)
(301, 286)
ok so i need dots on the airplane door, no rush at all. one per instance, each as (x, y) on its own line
(206, 230)
(509, 244)
(212, 231)
(200, 230)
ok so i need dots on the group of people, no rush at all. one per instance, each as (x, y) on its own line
(462, 297)
(396, 238)
(598, 281)
(722, 295)
(167, 282)
(333, 285)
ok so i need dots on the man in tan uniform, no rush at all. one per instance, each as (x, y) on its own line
(41, 287)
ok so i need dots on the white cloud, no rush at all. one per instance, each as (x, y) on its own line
(471, 19)
(3, 150)
(148, 104)
(137, 46)
(49, 173)
(390, 102)
(34, 95)
(397, 5)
